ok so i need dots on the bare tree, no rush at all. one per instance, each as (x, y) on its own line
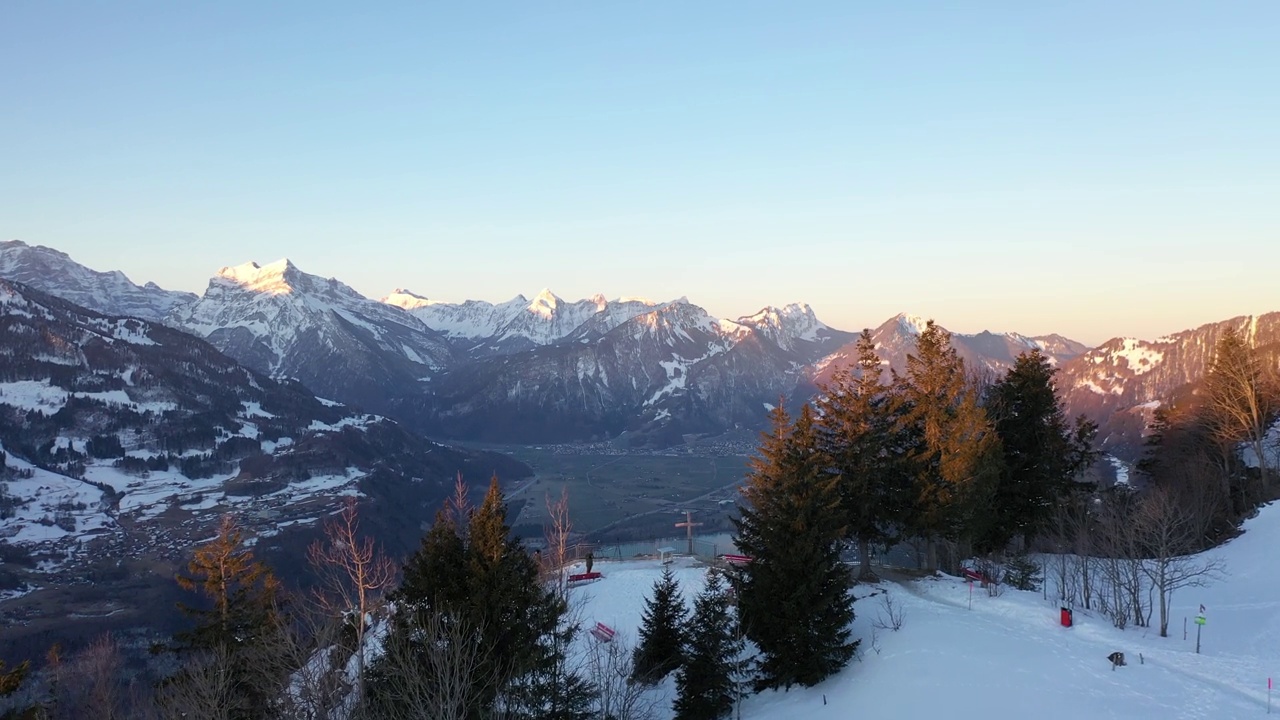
(207, 690)
(1240, 395)
(439, 670)
(92, 683)
(353, 577)
(1122, 560)
(1170, 531)
(892, 615)
(1070, 535)
(557, 531)
(314, 653)
(618, 697)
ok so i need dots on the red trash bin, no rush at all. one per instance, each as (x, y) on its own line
(1066, 617)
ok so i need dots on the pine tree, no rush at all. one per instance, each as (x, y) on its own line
(1042, 453)
(954, 454)
(859, 435)
(662, 632)
(245, 612)
(705, 683)
(795, 595)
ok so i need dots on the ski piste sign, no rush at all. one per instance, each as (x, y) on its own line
(1200, 618)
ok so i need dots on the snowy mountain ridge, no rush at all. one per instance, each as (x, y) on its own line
(284, 322)
(896, 337)
(112, 292)
(518, 324)
(1119, 383)
(599, 367)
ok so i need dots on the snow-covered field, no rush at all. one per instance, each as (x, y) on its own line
(1008, 657)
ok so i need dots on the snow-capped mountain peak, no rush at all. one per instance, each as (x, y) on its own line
(912, 324)
(406, 299)
(788, 325)
(795, 314)
(284, 322)
(545, 304)
(274, 278)
(112, 293)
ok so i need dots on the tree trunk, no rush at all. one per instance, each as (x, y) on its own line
(1165, 591)
(1259, 448)
(866, 574)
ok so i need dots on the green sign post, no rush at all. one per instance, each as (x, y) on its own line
(1200, 621)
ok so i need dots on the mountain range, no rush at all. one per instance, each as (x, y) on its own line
(549, 370)
(122, 440)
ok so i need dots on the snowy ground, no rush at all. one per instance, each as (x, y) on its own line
(55, 512)
(1009, 658)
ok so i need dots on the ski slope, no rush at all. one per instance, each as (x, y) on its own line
(1008, 657)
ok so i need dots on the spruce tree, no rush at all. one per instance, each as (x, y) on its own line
(472, 573)
(705, 683)
(860, 437)
(662, 631)
(795, 596)
(953, 452)
(1042, 452)
(553, 690)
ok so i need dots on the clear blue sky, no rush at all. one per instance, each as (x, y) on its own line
(1093, 169)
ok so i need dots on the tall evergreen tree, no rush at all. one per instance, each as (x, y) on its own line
(795, 595)
(1043, 454)
(705, 683)
(954, 453)
(238, 615)
(662, 631)
(470, 571)
(860, 437)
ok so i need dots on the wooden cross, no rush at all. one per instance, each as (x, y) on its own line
(689, 524)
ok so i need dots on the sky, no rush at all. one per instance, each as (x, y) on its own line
(1093, 169)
